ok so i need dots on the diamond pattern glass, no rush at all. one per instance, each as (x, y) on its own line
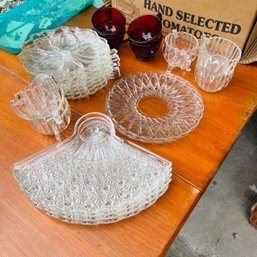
(154, 107)
(93, 177)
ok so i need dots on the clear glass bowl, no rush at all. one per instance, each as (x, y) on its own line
(79, 59)
(154, 107)
(93, 177)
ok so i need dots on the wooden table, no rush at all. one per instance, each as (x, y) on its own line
(25, 231)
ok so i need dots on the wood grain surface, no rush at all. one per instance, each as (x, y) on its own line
(25, 231)
(197, 156)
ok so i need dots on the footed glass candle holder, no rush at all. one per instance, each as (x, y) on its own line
(44, 105)
(216, 63)
(180, 50)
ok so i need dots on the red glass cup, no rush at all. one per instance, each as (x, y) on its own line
(109, 23)
(146, 52)
(145, 29)
(145, 36)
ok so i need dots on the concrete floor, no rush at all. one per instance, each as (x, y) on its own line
(218, 226)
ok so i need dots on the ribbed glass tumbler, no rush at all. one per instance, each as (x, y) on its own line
(216, 63)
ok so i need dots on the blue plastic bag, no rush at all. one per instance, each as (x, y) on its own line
(34, 16)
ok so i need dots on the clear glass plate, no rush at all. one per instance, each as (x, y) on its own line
(154, 107)
(93, 177)
(78, 59)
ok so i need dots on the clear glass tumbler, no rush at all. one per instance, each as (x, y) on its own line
(179, 50)
(216, 63)
(43, 103)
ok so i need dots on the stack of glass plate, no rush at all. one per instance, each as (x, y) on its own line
(78, 59)
(93, 177)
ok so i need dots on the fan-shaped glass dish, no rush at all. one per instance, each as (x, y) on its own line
(179, 50)
(154, 107)
(93, 177)
(79, 59)
(43, 103)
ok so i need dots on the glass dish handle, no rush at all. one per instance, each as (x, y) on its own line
(96, 138)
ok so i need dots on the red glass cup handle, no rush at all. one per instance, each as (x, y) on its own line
(159, 16)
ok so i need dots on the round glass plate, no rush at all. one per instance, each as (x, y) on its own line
(154, 107)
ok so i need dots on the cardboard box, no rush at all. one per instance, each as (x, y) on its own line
(232, 19)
